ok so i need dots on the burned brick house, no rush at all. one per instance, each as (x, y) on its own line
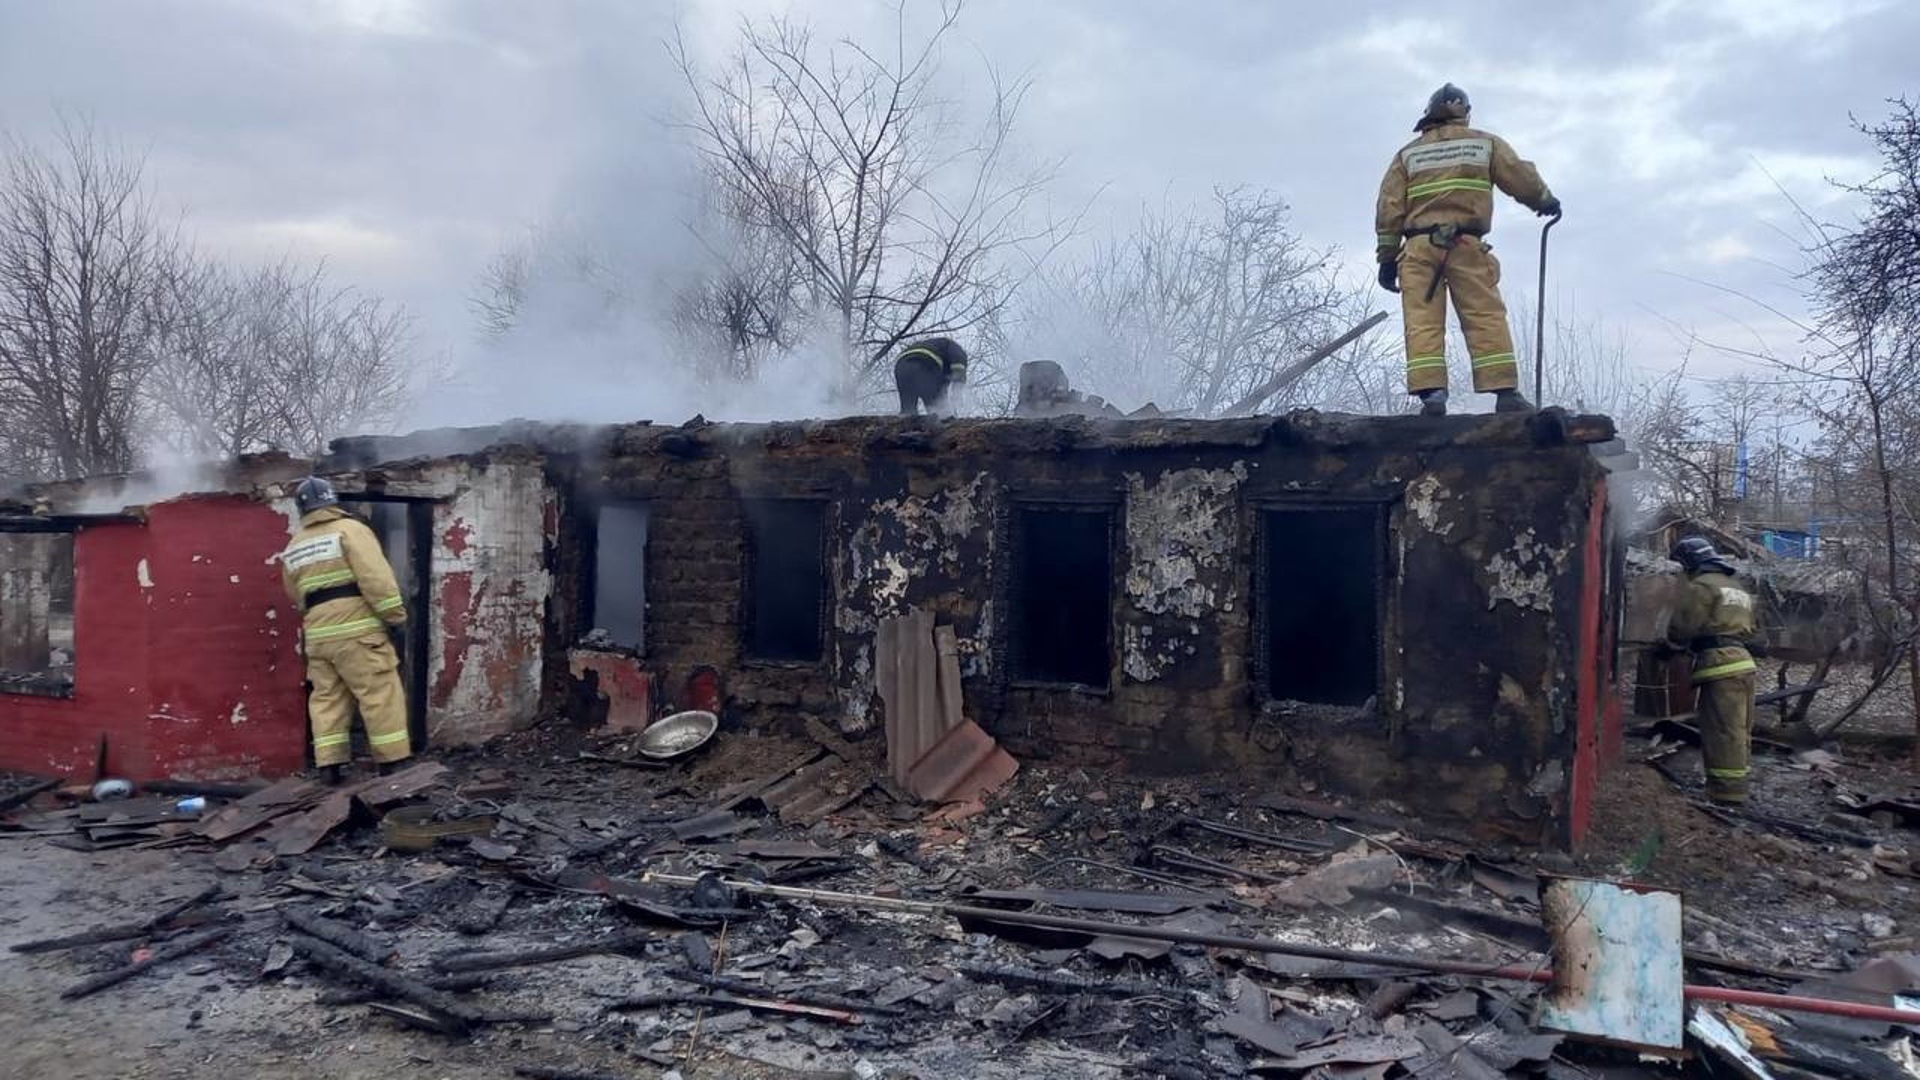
(1388, 608)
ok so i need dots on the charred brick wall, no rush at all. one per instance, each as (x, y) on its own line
(1478, 567)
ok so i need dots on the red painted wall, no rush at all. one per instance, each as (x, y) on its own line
(184, 653)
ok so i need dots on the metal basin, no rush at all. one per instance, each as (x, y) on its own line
(681, 733)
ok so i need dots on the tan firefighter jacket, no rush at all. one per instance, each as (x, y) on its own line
(338, 577)
(1714, 619)
(1447, 177)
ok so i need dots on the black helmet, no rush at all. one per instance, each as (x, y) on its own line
(1448, 95)
(1694, 552)
(314, 494)
(1447, 103)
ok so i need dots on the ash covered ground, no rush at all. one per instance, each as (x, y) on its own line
(1807, 886)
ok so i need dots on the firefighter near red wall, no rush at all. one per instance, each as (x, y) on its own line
(1713, 621)
(349, 601)
(1431, 221)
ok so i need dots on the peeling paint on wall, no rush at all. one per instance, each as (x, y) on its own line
(1523, 574)
(1182, 533)
(905, 539)
(490, 588)
(1177, 530)
(1424, 499)
(904, 549)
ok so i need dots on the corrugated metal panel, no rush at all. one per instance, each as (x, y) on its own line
(932, 749)
(964, 765)
(907, 668)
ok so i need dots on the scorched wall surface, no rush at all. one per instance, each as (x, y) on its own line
(1481, 557)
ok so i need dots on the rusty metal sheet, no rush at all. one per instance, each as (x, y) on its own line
(281, 797)
(946, 648)
(405, 784)
(811, 794)
(1618, 970)
(712, 825)
(964, 765)
(907, 671)
(297, 834)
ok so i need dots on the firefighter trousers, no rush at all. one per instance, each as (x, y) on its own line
(1472, 279)
(1725, 706)
(361, 670)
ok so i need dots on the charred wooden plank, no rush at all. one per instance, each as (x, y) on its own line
(489, 961)
(458, 1016)
(123, 932)
(339, 935)
(173, 951)
(739, 986)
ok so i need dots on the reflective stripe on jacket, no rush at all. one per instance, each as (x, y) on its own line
(1447, 177)
(332, 549)
(943, 351)
(1714, 605)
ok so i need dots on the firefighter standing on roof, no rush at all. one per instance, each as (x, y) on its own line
(926, 371)
(1713, 620)
(343, 585)
(1435, 209)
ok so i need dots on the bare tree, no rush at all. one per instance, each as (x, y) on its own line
(80, 247)
(1860, 364)
(342, 366)
(1193, 309)
(277, 357)
(901, 221)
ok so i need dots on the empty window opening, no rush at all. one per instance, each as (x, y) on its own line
(1063, 595)
(1321, 604)
(36, 613)
(786, 579)
(616, 598)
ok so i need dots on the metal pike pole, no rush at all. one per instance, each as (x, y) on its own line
(1540, 321)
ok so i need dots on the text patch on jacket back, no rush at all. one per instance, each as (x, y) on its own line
(317, 550)
(1449, 154)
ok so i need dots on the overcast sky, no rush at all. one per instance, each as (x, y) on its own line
(406, 140)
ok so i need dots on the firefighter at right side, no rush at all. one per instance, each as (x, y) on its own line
(1713, 620)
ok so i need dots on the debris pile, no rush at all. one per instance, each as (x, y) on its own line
(773, 905)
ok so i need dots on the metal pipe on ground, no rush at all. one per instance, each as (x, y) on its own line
(1536, 973)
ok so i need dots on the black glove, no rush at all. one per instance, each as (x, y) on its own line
(1390, 275)
(1550, 208)
(1758, 648)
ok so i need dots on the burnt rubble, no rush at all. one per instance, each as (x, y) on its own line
(566, 916)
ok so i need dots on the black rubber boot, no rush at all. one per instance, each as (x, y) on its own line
(1433, 402)
(388, 768)
(333, 775)
(1510, 401)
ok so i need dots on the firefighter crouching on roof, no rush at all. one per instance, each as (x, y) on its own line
(341, 581)
(926, 371)
(1713, 620)
(1437, 197)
